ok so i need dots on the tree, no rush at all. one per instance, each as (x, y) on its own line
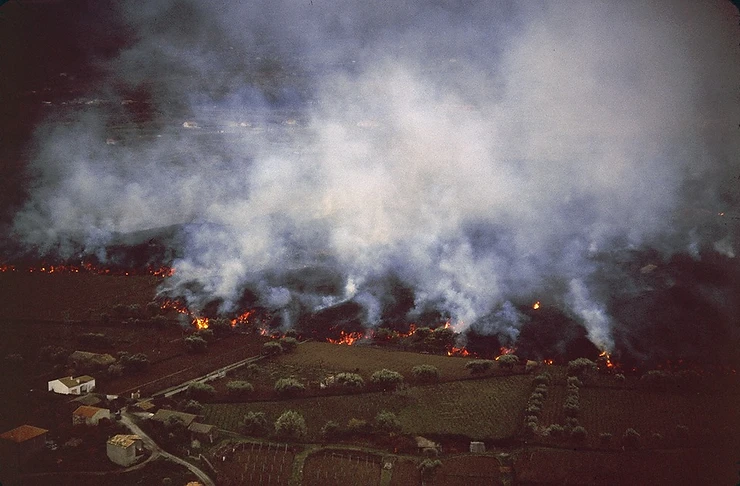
(220, 326)
(507, 361)
(288, 387)
(200, 391)
(134, 363)
(581, 367)
(239, 389)
(290, 425)
(425, 373)
(272, 348)
(441, 338)
(289, 344)
(330, 430)
(196, 344)
(386, 379)
(255, 424)
(192, 406)
(555, 430)
(387, 422)
(349, 381)
(479, 366)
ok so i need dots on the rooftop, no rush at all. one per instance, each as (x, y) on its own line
(87, 411)
(123, 440)
(199, 428)
(164, 415)
(23, 433)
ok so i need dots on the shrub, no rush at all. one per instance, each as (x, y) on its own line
(206, 334)
(349, 381)
(605, 437)
(115, 370)
(387, 422)
(252, 369)
(200, 391)
(272, 348)
(386, 379)
(533, 409)
(631, 438)
(196, 344)
(255, 424)
(330, 430)
(239, 389)
(291, 333)
(192, 406)
(425, 373)
(290, 425)
(581, 367)
(134, 363)
(620, 378)
(289, 344)
(478, 366)
(288, 387)
(385, 335)
(507, 361)
(579, 433)
(421, 333)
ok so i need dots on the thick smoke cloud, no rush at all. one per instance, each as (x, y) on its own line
(483, 155)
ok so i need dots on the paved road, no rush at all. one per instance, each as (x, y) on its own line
(158, 451)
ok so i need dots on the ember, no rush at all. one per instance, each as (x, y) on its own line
(536, 305)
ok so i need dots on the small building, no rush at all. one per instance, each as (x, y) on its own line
(73, 386)
(145, 405)
(90, 399)
(203, 432)
(87, 415)
(124, 450)
(21, 443)
(164, 416)
(477, 447)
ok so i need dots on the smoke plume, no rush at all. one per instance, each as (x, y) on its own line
(479, 155)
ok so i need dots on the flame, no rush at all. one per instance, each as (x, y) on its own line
(458, 352)
(607, 359)
(504, 350)
(200, 322)
(241, 319)
(536, 305)
(548, 362)
(348, 338)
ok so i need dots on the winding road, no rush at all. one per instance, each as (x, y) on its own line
(127, 420)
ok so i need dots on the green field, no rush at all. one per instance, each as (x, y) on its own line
(489, 408)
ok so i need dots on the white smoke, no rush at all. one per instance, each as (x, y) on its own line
(475, 152)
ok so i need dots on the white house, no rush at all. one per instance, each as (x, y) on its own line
(72, 386)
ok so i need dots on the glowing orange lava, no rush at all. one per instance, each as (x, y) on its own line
(348, 338)
(536, 305)
(162, 271)
(606, 359)
(458, 352)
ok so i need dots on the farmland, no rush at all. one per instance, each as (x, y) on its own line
(489, 408)
(58, 309)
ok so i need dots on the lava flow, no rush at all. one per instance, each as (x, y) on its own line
(348, 338)
(162, 271)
